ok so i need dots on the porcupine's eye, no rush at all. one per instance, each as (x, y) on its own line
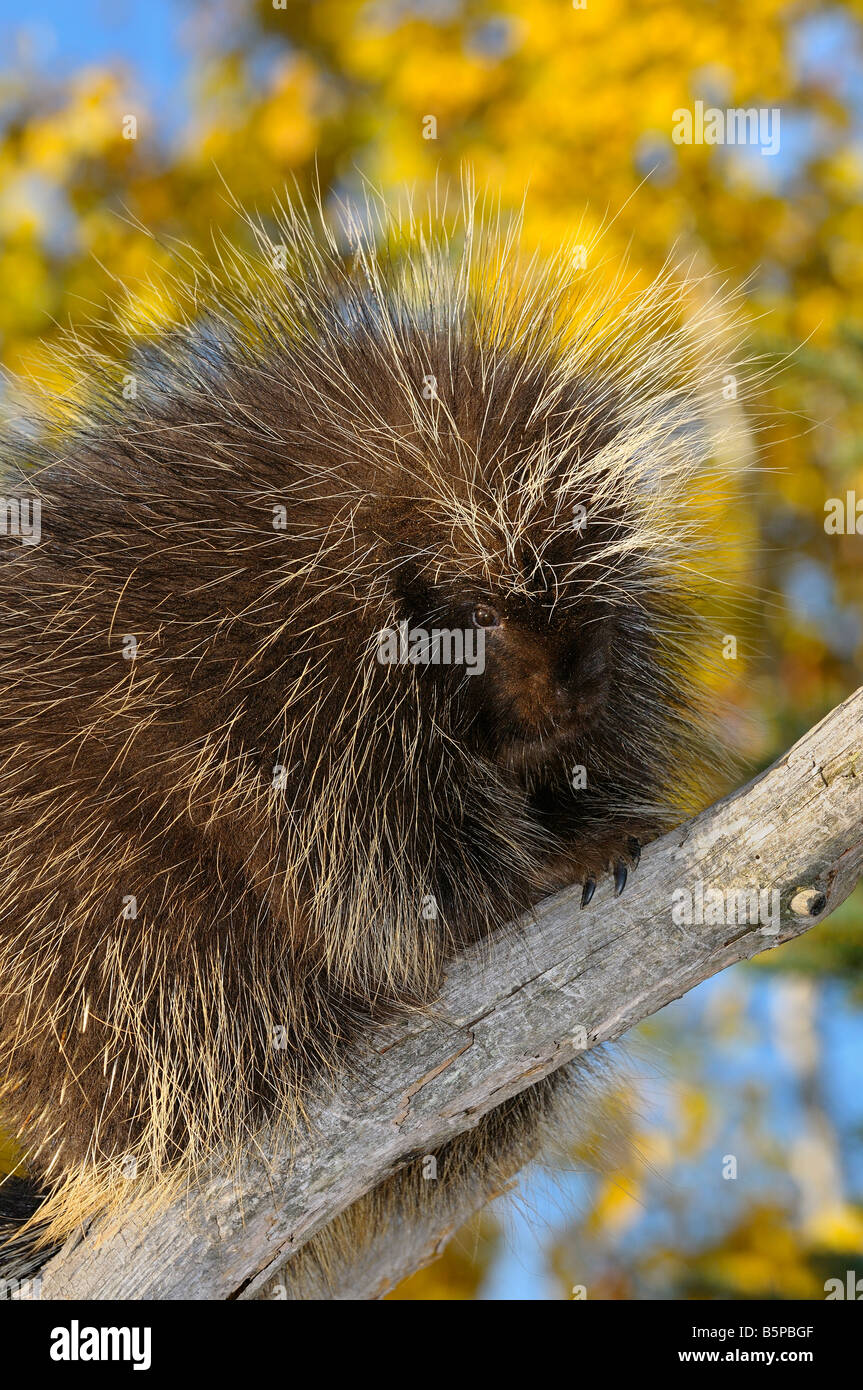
(485, 616)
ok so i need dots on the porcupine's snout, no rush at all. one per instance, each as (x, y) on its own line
(583, 679)
(541, 688)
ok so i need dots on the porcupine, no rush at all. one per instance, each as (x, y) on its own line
(221, 812)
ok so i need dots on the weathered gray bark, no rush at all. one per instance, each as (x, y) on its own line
(509, 1014)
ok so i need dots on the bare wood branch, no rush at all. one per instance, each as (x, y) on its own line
(508, 1014)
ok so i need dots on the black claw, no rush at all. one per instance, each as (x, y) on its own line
(588, 891)
(619, 878)
(634, 847)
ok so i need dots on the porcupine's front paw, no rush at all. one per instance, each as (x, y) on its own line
(621, 860)
(585, 862)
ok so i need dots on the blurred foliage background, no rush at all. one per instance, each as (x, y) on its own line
(576, 105)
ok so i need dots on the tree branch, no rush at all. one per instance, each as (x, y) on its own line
(510, 1012)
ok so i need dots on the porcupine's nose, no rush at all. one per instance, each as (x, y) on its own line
(580, 671)
(580, 681)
